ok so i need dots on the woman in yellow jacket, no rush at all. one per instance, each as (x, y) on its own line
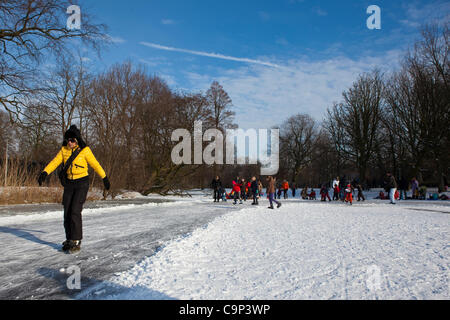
(76, 186)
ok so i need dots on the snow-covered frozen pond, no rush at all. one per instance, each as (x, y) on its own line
(197, 249)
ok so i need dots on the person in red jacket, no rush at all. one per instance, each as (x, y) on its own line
(237, 190)
(335, 186)
(324, 193)
(349, 193)
(285, 189)
(312, 195)
(248, 189)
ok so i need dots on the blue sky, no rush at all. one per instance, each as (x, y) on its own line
(274, 58)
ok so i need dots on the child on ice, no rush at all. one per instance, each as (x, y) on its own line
(349, 193)
(324, 193)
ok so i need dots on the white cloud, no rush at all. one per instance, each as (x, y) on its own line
(117, 40)
(263, 97)
(320, 12)
(282, 41)
(210, 55)
(264, 16)
(167, 21)
(416, 15)
(155, 61)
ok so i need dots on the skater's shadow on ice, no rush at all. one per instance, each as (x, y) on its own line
(94, 289)
(27, 235)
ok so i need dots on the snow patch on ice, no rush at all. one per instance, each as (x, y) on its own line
(49, 215)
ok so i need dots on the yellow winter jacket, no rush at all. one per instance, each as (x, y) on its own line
(78, 169)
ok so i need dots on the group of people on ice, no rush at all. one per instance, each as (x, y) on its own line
(343, 190)
(243, 190)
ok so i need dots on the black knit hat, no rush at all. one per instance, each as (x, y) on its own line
(74, 132)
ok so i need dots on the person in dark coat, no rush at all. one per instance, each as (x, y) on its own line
(390, 185)
(254, 188)
(403, 186)
(216, 185)
(279, 187)
(342, 185)
(293, 188)
(415, 188)
(360, 192)
(243, 191)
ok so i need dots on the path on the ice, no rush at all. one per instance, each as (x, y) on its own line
(115, 239)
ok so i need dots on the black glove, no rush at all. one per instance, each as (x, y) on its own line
(106, 183)
(42, 177)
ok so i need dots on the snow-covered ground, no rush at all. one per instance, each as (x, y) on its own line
(304, 250)
(196, 249)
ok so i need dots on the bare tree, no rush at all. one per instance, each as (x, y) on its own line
(221, 115)
(353, 125)
(29, 30)
(220, 103)
(38, 136)
(63, 94)
(166, 113)
(6, 134)
(418, 98)
(298, 135)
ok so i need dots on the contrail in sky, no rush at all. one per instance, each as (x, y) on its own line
(208, 54)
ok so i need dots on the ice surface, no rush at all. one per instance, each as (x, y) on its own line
(192, 248)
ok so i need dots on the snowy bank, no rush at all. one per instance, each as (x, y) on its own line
(304, 250)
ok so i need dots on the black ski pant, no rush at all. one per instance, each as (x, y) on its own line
(217, 195)
(75, 193)
(236, 197)
(255, 197)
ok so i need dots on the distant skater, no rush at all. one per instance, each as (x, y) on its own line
(271, 192)
(360, 192)
(216, 185)
(349, 194)
(390, 186)
(254, 188)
